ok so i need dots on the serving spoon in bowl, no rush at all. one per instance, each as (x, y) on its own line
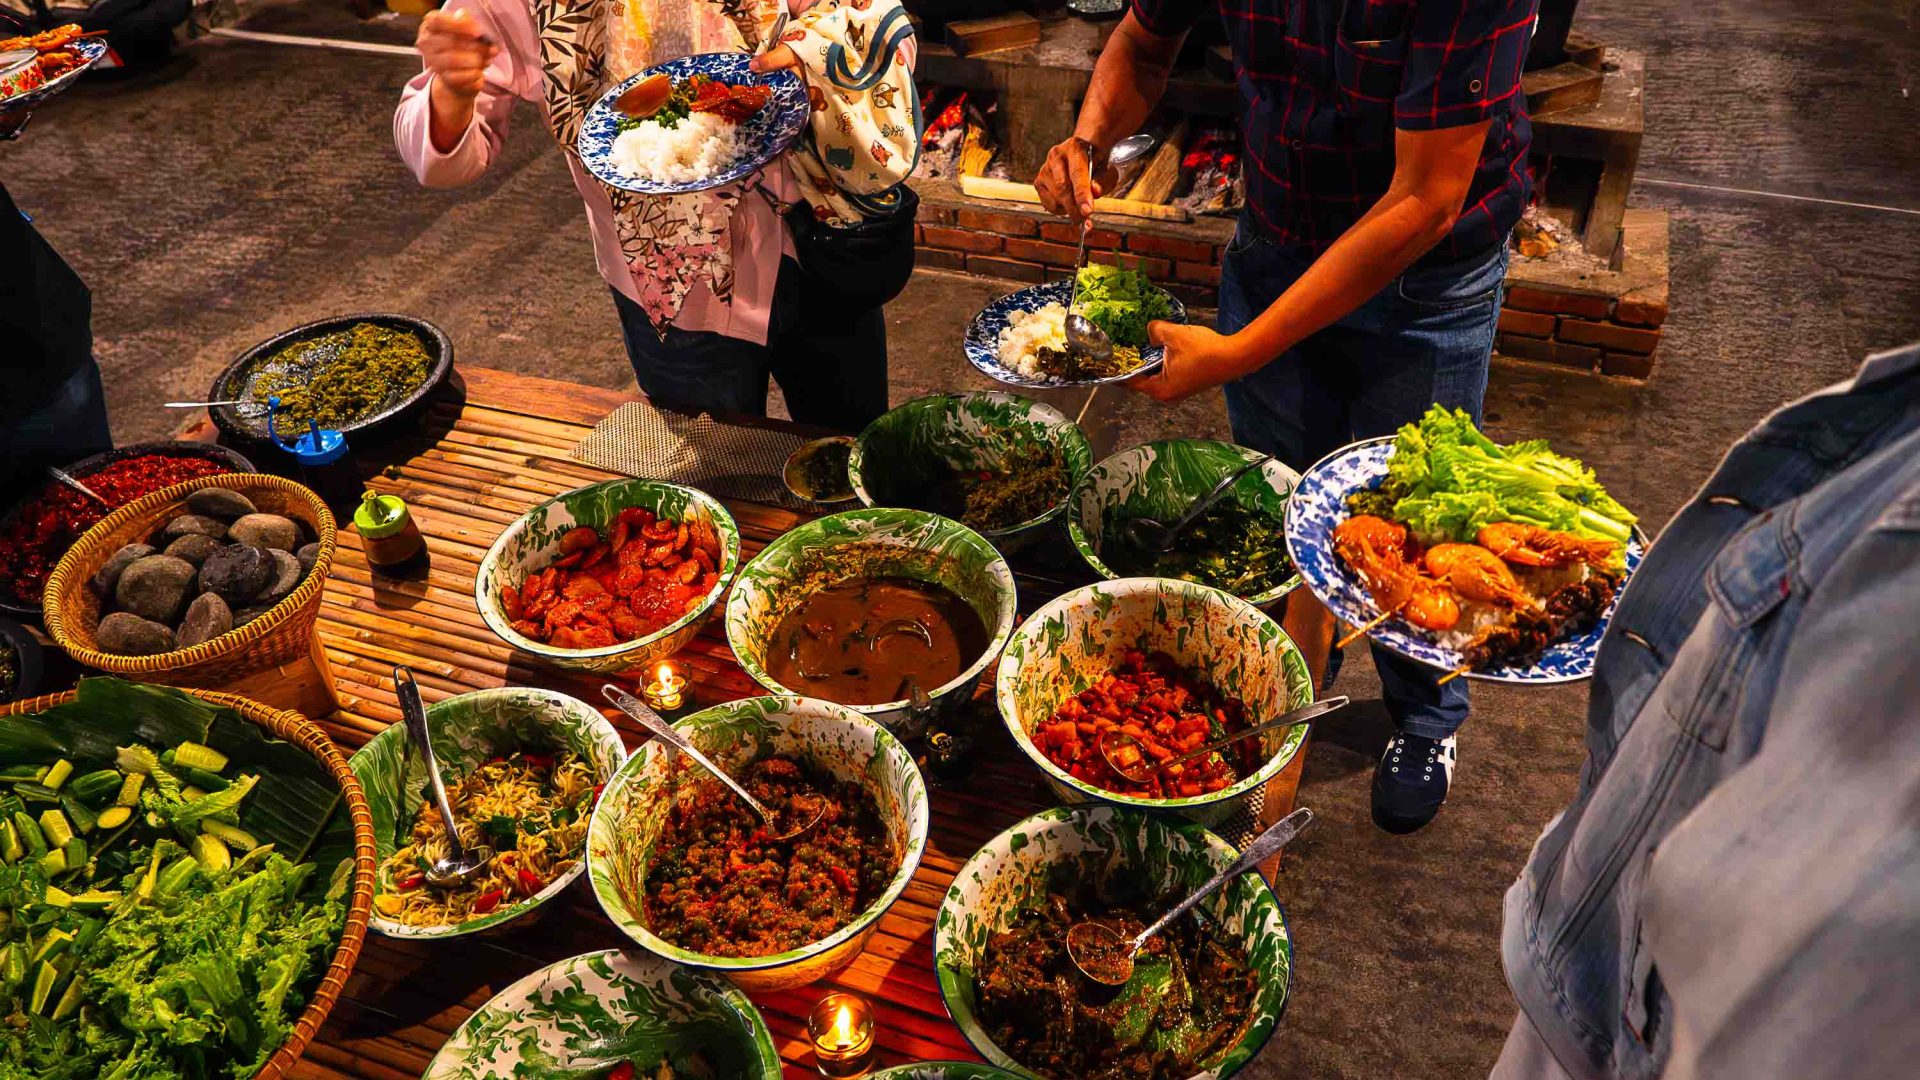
(1155, 537)
(1127, 757)
(1104, 956)
(804, 811)
(461, 863)
(1084, 338)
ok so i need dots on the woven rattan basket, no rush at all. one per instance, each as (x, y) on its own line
(283, 634)
(303, 733)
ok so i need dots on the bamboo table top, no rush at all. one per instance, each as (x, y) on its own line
(476, 466)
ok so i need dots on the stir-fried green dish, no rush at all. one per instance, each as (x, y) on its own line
(1240, 549)
(172, 886)
(1189, 1000)
(1030, 480)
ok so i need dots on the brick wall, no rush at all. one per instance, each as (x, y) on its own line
(1586, 329)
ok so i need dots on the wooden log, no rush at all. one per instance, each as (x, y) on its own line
(1157, 180)
(997, 33)
(982, 187)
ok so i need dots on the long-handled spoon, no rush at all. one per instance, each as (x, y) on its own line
(62, 476)
(803, 811)
(1104, 956)
(1126, 756)
(1083, 337)
(1149, 534)
(462, 862)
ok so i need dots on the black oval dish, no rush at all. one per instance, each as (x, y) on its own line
(86, 467)
(230, 382)
(28, 662)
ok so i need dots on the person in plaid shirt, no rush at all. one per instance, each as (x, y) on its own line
(1385, 164)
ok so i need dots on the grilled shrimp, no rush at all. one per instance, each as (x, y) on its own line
(1531, 545)
(1476, 574)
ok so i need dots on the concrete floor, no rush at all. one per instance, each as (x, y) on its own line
(247, 188)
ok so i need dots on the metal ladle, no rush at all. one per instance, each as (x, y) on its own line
(1084, 338)
(1139, 766)
(799, 820)
(462, 863)
(1150, 535)
(1104, 956)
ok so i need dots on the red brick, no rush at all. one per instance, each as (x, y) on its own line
(1552, 352)
(1156, 268)
(1610, 336)
(936, 215)
(919, 235)
(1013, 269)
(1192, 295)
(1171, 247)
(936, 259)
(1003, 224)
(1646, 307)
(1526, 298)
(1041, 252)
(1198, 273)
(961, 239)
(1061, 232)
(1527, 323)
(1626, 365)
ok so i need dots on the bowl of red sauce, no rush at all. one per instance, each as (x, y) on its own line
(1173, 664)
(684, 868)
(41, 527)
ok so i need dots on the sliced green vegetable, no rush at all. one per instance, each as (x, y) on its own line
(95, 788)
(54, 862)
(76, 852)
(57, 897)
(36, 793)
(43, 981)
(114, 816)
(10, 846)
(193, 755)
(207, 781)
(70, 1000)
(51, 945)
(130, 790)
(57, 774)
(14, 964)
(82, 815)
(176, 876)
(232, 836)
(54, 826)
(211, 853)
(14, 774)
(30, 834)
(95, 900)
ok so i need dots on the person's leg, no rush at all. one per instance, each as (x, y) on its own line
(694, 371)
(831, 364)
(69, 425)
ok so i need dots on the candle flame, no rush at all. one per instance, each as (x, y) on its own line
(843, 1027)
(665, 678)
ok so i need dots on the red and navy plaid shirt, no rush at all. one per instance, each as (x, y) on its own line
(1327, 82)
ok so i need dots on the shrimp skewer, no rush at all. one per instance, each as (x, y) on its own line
(1530, 545)
(1477, 574)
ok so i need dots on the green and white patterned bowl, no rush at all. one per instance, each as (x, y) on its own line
(1079, 638)
(945, 1070)
(467, 731)
(905, 453)
(531, 543)
(873, 543)
(1161, 480)
(1012, 872)
(606, 1004)
(836, 741)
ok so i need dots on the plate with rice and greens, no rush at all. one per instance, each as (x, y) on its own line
(1020, 339)
(691, 124)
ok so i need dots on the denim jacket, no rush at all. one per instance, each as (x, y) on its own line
(1735, 890)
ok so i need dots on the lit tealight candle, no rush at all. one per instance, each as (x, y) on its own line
(841, 1027)
(667, 689)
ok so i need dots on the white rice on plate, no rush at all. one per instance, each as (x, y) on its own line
(1027, 333)
(699, 146)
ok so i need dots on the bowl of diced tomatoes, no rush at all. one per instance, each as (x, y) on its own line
(609, 577)
(1171, 665)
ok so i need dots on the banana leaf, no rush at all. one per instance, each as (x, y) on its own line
(296, 797)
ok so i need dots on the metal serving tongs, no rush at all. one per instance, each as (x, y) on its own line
(803, 811)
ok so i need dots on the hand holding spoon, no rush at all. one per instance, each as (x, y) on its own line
(462, 863)
(1083, 337)
(1104, 956)
(802, 813)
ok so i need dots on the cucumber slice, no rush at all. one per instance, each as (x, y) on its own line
(82, 815)
(57, 774)
(211, 853)
(14, 774)
(30, 834)
(43, 981)
(114, 816)
(130, 790)
(36, 793)
(57, 897)
(232, 835)
(51, 945)
(76, 852)
(70, 1000)
(207, 781)
(54, 826)
(54, 862)
(190, 793)
(95, 788)
(95, 900)
(13, 964)
(193, 755)
(10, 846)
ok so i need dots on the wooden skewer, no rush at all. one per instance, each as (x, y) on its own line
(1454, 674)
(1360, 631)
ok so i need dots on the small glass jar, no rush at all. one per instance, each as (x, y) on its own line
(840, 1028)
(393, 544)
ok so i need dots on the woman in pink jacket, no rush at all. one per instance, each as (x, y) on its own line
(710, 291)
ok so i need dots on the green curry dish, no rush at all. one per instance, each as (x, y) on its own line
(1242, 550)
(1121, 302)
(1030, 480)
(343, 377)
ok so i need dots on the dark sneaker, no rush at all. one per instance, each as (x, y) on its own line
(1411, 781)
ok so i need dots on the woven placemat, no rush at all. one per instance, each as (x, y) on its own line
(730, 461)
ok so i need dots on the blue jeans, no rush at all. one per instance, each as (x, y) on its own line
(831, 363)
(1423, 339)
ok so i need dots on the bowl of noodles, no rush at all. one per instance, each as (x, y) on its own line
(523, 769)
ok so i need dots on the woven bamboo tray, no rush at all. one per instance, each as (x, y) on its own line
(283, 635)
(303, 733)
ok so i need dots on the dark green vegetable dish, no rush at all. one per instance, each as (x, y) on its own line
(1030, 480)
(173, 884)
(1240, 549)
(1190, 998)
(344, 377)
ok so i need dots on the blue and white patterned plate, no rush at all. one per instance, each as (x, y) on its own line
(1319, 503)
(983, 336)
(767, 133)
(90, 50)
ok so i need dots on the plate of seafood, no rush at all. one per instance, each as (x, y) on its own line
(1492, 562)
(60, 55)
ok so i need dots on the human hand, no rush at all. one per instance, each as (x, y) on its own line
(457, 50)
(1063, 180)
(1197, 359)
(778, 58)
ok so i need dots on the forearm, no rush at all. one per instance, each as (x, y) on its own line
(1128, 81)
(449, 115)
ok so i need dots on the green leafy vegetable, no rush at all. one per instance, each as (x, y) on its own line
(1121, 302)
